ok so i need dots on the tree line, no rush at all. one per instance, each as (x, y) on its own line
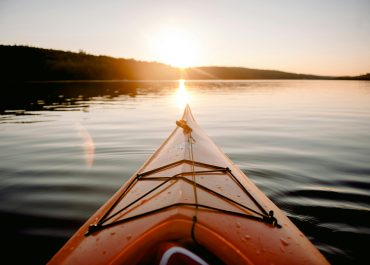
(24, 63)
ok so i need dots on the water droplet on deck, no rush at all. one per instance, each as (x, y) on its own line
(247, 237)
(128, 237)
(112, 234)
(258, 252)
(284, 242)
(237, 225)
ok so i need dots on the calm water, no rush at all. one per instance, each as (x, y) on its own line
(306, 144)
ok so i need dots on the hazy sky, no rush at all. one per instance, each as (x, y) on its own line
(328, 37)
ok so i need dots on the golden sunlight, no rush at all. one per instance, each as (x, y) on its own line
(182, 96)
(176, 49)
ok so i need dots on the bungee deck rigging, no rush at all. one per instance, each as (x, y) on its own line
(262, 216)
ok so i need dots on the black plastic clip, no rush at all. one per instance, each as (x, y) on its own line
(93, 228)
(271, 219)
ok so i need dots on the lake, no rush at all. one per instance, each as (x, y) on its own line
(66, 147)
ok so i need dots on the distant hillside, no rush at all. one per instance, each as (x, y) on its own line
(22, 63)
(360, 77)
(243, 73)
(214, 72)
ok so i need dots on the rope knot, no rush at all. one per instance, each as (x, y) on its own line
(184, 125)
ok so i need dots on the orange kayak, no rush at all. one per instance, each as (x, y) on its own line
(188, 204)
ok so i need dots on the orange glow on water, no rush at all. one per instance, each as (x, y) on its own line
(182, 96)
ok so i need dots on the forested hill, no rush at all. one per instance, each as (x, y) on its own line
(23, 63)
(218, 72)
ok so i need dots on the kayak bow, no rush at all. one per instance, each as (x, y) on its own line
(189, 204)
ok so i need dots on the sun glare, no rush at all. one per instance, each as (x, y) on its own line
(88, 144)
(176, 49)
(182, 96)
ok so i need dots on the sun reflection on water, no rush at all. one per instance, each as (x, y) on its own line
(182, 96)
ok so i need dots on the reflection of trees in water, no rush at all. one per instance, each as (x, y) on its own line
(18, 98)
(76, 95)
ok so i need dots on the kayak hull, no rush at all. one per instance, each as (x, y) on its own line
(189, 193)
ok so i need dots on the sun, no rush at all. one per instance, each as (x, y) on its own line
(176, 49)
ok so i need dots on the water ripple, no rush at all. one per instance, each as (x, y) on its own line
(305, 144)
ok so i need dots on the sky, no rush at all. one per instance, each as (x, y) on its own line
(324, 37)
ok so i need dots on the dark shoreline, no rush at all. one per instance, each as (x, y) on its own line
(30, 64)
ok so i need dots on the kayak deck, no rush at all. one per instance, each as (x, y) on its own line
(189, 191)
(119, 213)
